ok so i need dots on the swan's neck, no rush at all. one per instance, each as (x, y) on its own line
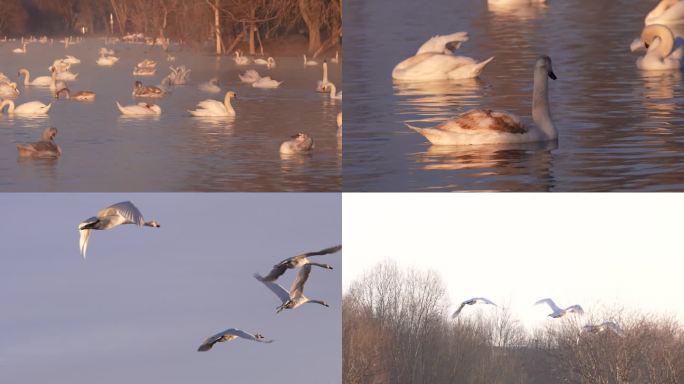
(27, 76)
(325, 72)
(316, 302)
(661, 39)
(333, 90)
(10, 109)
(320, 265)
(541, 113)
(228, 105)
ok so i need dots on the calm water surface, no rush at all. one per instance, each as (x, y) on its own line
(619, 128)
(104, 151)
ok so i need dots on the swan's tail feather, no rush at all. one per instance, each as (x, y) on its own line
(121, 108)
(469, 71)
(434, 136)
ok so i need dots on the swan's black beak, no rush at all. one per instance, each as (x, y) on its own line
(552, 75)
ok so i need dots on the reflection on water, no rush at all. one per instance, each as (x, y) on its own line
(619, 127)
(106, 151)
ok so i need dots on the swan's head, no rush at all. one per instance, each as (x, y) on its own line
(544, 64)
(49, 134)
(231, 95)
(154, 224)
(660, 35)
(258, 336)
(22, 71)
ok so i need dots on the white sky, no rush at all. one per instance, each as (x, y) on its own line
(590, 249)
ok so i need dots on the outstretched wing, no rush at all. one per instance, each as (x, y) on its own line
(484, 301)
(276, 271)
(575, 309)
(245, 335)
(437, 44)
(458, 311)
(550, 303)
(326, 251)
(83, 241)
(209, 342)
(275, 288)
(124, 209)
(297, 288)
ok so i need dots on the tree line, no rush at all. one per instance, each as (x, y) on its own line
(224, 23)
(396, 330)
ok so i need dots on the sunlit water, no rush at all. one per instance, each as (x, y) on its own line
(104, 151)
(619, 128)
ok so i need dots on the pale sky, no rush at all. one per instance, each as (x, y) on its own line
(595, 250)
(137, 309)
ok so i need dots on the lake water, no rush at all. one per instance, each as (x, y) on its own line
(104, 151)
(619, 128)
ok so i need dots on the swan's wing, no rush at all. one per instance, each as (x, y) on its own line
(575, 309)
(458, 311)
(211, 105)
(244, 335)
(275, 288)
(326, 251)
(430, 66)
(297, 288)
(437, 44)
(484, 301)
(550, 303)
(83, 241)
(481, 119)
(125, 209)
(277, 271)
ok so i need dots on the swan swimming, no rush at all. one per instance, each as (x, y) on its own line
(434, 60)
(269, 63)
(30, 108)
(212, 107)
(78, 96)
(111, 217)
(250, 76)
(301, 143)
(20, 50)
(139, 109)
(496, 127)
(266, 82)
(320, 85)
(298, 262)
(45, 148)
(309, 63)
(211, 86)
(106, 61)
(560, 312)
(9, 89)
(666, 12)
(239, 59)
(40, 81)
(661, 53)
(339, 124)
(330, 86)
(140, 90)
(228, 335)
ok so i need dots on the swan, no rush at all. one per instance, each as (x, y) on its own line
(601, 328)
(298, 262)
(308, 62)
(78, 96)
(333, 95)
(435, 61)
(149, 64)
(240, 60)
(339, 124)
(228, 335)
(20, 50)
(9, 89)
(212, 107)
(139, 109)
(60, 65)
(495, 127)
(559, 312)
(660, 55)
(110, 217)
(666, 12)
(41, 81)
(71, 60)
(137, 71)
(320, 86)
(66, 76)
(336, 59)
(106, 51)
(30, 108)
(179, 75)
(211, 86)
(269, 63)
(107, 61)
(301, 143)
(473, 301)
(45, 148)
(295, 297)
(250, 76)
(140, 90)
(266, 82)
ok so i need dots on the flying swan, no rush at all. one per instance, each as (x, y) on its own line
(295, 298)
(298, 262)
(484, 126)
(473, 301)
(228, 335)
(559, 312)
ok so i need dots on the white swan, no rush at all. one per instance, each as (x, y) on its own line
(110, 217)
(320, 85)
(495, 127)
(107, 61)
(20, 50)
(40, 81)
(295, 297)
(66, 76)
(666, 12)
(601, 328)
(211, 86)
(140, 71)
(239, 59)
(309, 63)
(336, 59)
(139, 109)
(298, 262)
(266, 82)
(269, 63)
(301, 143)
(9, 89)
(473, 301)
(435, 61)
(45, 148)
(71, 60)
(661, 53)
(106, 51)
(212, 107)
(30, 108)
(228, 335)
(250, 76)
(560, 312)
(333, 95)
(339, 124)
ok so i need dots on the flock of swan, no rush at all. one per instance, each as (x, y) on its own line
(556, 312)
(60, 74)
(436, 60)
(127, 213)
